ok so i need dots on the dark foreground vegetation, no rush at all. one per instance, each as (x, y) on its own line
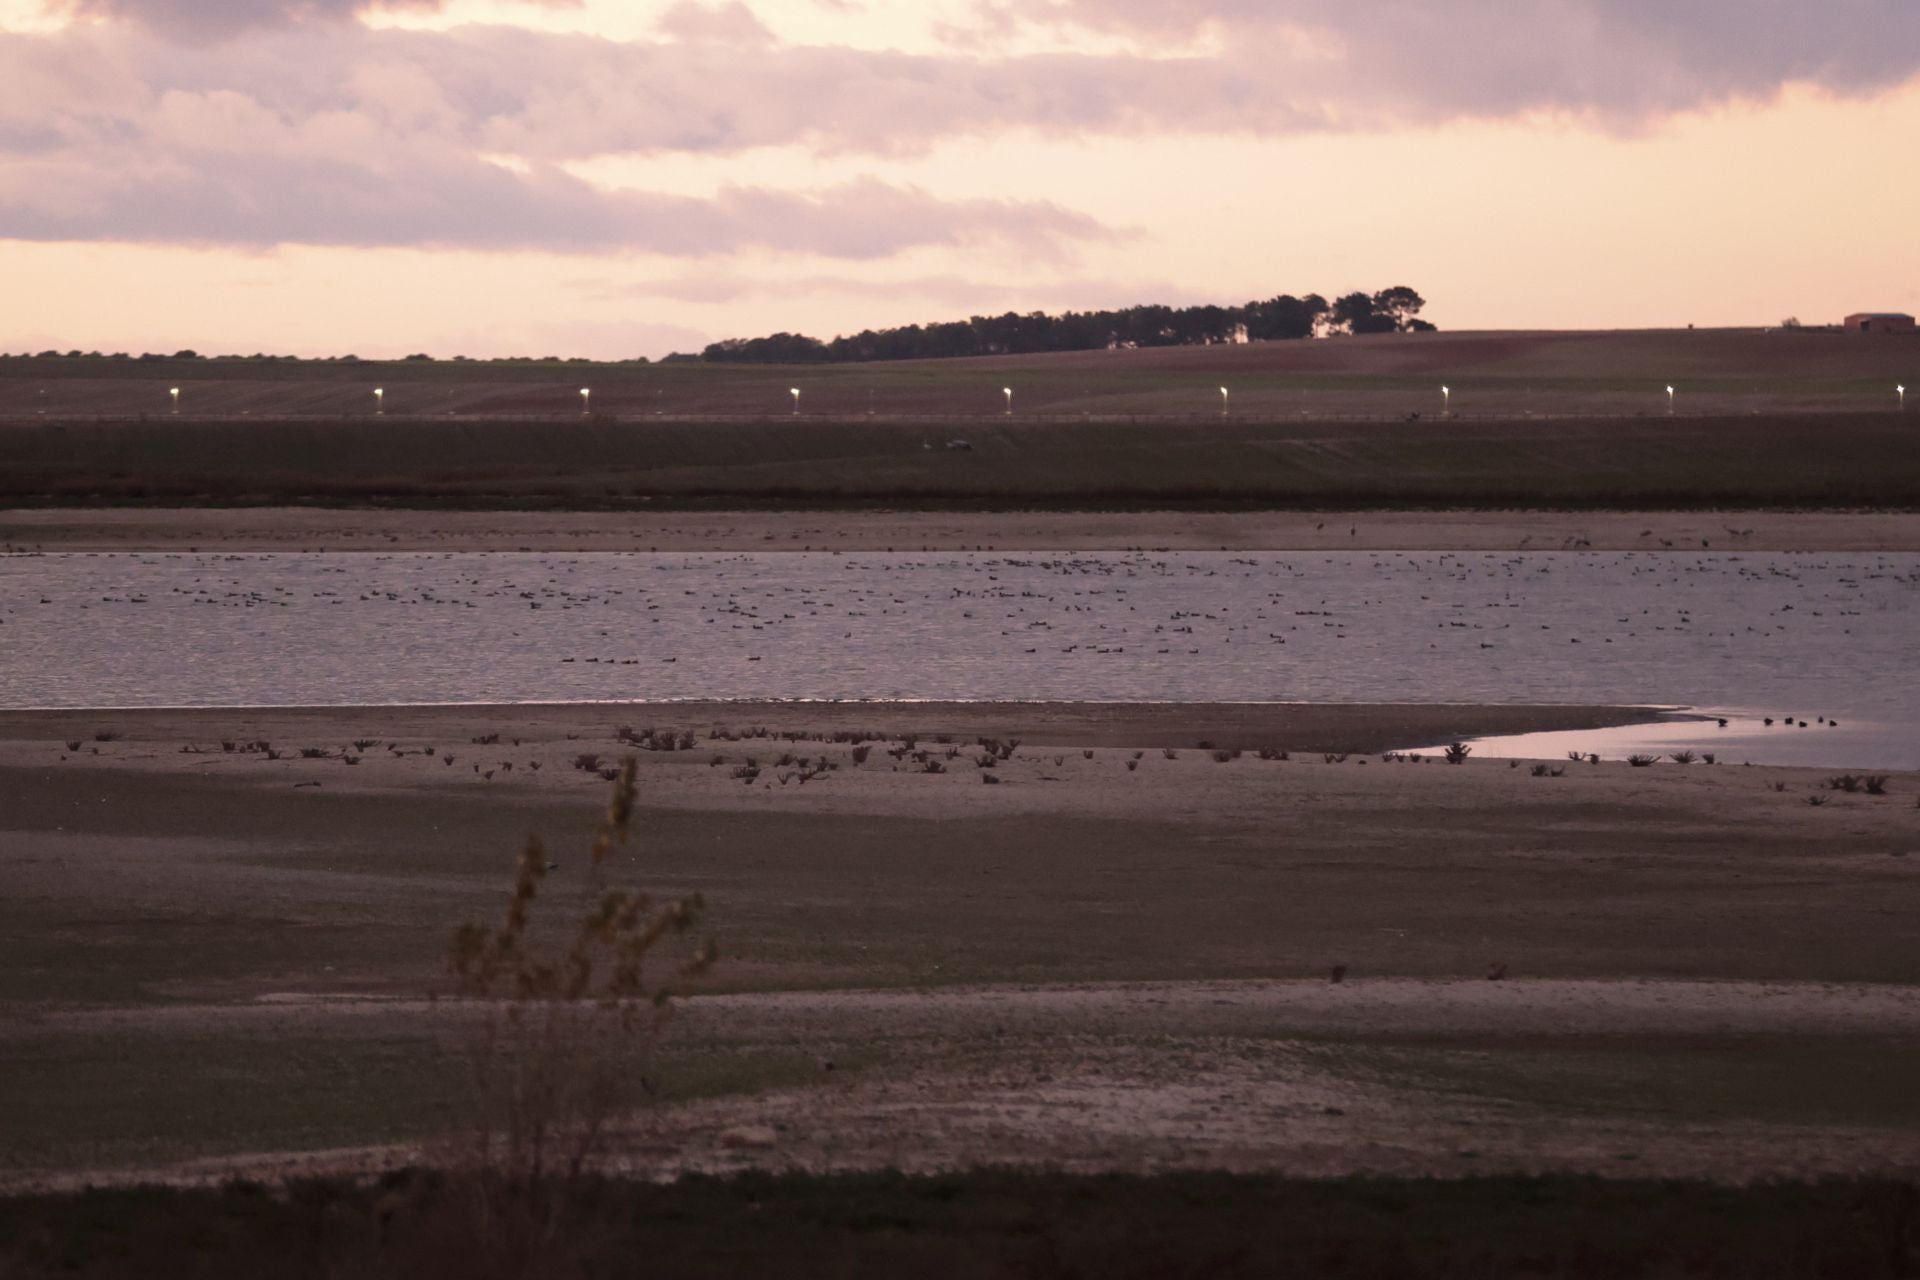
(988, 1223)
(1824, 460)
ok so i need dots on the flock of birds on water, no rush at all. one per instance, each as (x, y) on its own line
(1703, 628)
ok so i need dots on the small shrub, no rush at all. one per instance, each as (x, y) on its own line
(1457, 752)
(1707, 757)
(487, 739)
(363, 744)
(1683, 757)
(587, 762)
(861, 752)
(1876, 784)
(990, 779)
(106, 735)
(570, 1018)
(313, 753)
(1132, 765)
(1221, 757)
(933, 766)
(1539, 771)
(1844, 782)
(1087, 754)
(1816, 800)
(74, 745)
(1169, 753)
(1641, 762)
(1335, 757)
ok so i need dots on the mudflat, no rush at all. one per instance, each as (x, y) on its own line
(244, 529)
(1126, 952)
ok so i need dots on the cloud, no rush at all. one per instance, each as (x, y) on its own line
(204, 20)
(1621, 62)
(257, 198)
(727, 24)
(303, 126)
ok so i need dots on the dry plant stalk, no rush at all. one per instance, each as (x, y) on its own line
(570, 1022)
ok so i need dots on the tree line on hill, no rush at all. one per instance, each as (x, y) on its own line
(1395, 310)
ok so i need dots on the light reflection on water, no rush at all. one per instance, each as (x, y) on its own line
(1780, 634)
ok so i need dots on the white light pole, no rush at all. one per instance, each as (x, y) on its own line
(379, 400)
(1224, 402)
(1446, 402)
(586, 400)
(795, 393)
(1008, 393)
(172, 392)
(1669, 400)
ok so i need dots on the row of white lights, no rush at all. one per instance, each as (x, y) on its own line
(586, 397)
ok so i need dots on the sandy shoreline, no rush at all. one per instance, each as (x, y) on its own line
(1352, 727)
(314, 529)
(1117, 958)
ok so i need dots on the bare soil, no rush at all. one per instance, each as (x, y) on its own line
(211, 960)
(323, 529)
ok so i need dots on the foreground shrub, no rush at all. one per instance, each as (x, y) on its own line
(571, 1015)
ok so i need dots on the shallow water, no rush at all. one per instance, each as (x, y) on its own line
(1801, 635)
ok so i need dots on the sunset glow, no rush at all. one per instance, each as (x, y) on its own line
(602, 179)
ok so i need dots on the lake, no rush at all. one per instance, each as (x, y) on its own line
(1747, 636)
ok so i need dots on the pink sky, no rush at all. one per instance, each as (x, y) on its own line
(490, 177)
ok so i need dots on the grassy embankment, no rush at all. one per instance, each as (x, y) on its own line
(1765, 419)
(1858, 460)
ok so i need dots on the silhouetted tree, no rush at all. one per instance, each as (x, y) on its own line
(1147, 325)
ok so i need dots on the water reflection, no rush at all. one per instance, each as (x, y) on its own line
(1772, 634)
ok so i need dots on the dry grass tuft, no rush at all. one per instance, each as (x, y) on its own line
(571, 1018)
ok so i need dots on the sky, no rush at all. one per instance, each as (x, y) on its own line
(619, 178)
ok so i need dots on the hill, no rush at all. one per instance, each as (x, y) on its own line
(1490, 373)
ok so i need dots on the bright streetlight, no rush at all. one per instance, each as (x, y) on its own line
(174, 392)
(1008, 393)
(1223, 402)
(1669, 399)
(379, 400)
(1901, 391)
(1446, 402)
(586, 398)
(795, 392)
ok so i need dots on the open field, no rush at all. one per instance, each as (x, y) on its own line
(284, 529)
(1554, 373)
(1117, 958)
(1833, 460)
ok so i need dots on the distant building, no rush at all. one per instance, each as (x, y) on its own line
(1878, 322)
